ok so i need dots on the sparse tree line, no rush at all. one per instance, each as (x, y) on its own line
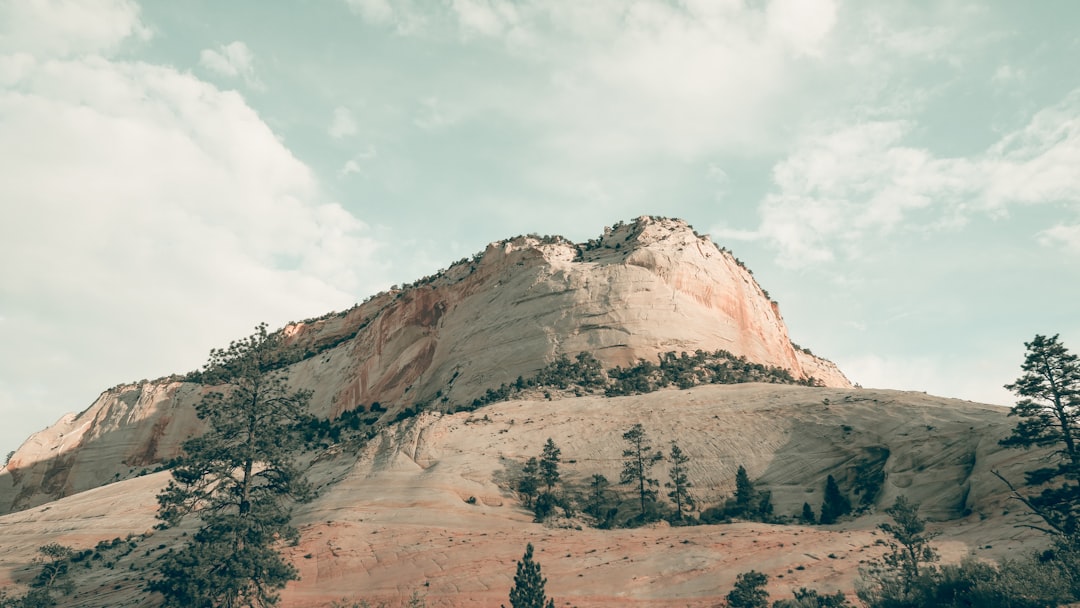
(584, 375)
(543, 489)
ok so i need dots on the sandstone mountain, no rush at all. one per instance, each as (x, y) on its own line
(641, 289)
(422, 496)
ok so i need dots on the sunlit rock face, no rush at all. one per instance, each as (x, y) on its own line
(641, 289)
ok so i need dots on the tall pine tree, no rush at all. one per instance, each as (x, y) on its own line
(549, 464)
(530, 481)
(680, 484)
(835, 503)
(239, 478)
(598, 496)
(1049, 410)
(744, 493)
(638, 463)
(528, 590)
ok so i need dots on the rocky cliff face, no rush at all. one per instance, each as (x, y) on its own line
(641, 289)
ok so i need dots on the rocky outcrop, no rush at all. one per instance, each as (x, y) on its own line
(641, 289)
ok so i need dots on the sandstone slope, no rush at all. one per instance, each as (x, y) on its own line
(394, 515)
(643, 288)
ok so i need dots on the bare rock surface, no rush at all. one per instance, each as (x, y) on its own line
(395, 515)
(641, 289)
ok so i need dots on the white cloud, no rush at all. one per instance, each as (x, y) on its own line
(802, 24)
(233, 60)
(343, 124)
(433, 114)
(159, 207)
(492, 18)
(841, 188)
(61, 28)
(1063, 236)
(375, 11)
(355, 164)
(15, 67)
(618, 79)
(351, 166)
(402, 15)
(1007, 75)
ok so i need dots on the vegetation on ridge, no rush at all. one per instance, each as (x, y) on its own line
(584, 375)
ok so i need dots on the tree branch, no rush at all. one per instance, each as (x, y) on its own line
(1037, 511)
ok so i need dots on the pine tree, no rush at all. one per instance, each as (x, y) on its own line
(598, 487)
(749, 591)
(763, 511)
(238, 477)
(530, 481)
(902, 576)
(549, 465)
(1050, 417)
(640, 459)
(528, 589)
(744, 493)
(835, 504)
(911, 542)
(680, 484)
(807, 516)
(56, 563)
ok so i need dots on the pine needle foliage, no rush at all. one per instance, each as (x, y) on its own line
(1049, 412)
(680, 483)
(639, 460)
(239, 478)
(749, 591)
(549, 464)
(528, 590)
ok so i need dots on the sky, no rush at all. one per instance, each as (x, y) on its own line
(903, 177)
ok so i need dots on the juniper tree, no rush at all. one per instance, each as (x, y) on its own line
(640, 459)
(1049, 410)
(528, 590)
(239, 477)
(680, 484)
